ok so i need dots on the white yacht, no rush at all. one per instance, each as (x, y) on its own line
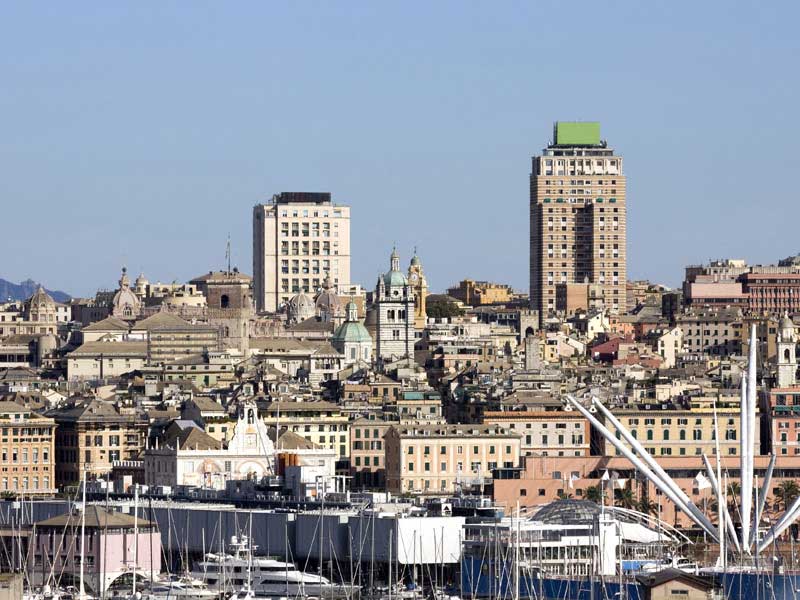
(174, 588)
(240, 569)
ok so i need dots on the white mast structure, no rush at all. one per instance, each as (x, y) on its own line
(745, 541)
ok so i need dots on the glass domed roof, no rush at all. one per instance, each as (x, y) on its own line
(568, 511)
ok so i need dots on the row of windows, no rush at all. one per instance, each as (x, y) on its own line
(697, 434)
(459, 450)
(376, 462)
(306, 213)
(475, 467)
(32, 457)
(14, 482)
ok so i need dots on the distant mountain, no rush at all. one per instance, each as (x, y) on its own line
(26, 289)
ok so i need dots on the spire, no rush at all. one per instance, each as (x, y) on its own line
(394, 260)
(352, 311)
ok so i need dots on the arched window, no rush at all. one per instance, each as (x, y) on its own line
(529, 331)
(127, 311)
(250, 416)
(786, 355)
(224, 301)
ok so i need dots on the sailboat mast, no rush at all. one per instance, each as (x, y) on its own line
(81, 593)
(135, 536)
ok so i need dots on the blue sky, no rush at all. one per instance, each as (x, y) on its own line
(143, 133)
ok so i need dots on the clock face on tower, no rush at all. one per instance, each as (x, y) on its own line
(414, 278)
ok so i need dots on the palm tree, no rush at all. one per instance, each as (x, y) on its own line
(595, 494)
(788, 491)
(647, 506)
(624, 498)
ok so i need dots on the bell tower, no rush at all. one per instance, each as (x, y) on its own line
(418, 283)
(787, 359)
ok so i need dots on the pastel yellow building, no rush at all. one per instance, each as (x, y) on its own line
(432, 459)
(28, 445)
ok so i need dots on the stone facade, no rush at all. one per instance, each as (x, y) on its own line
(230, 305)
(394, 305)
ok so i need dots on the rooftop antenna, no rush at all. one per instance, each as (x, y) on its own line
(228, 253)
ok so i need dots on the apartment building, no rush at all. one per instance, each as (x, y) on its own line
(93, 434)
(435, 459)
(298, 238)
(684, 428)
(28, 445)
(322, 423)
(714, 332)
(545, 433)
(367, 452)
(578, 217)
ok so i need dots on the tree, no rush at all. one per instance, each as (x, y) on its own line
(594, 494)
(624, 498)
(562, 495)
(647, 506)
(442, 309)
(788, 491)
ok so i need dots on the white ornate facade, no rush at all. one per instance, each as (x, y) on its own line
(250, 455)
(787, 359)
(394, 305)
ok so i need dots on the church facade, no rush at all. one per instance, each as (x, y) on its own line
(250, 455)
(395, 314)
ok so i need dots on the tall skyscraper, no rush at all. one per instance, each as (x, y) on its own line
(298, 238)
(577, 217)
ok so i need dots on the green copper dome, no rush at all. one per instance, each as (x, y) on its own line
(353, 332)
(395, 278)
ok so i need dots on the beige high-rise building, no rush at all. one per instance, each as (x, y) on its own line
(577, 217)
(298, 238)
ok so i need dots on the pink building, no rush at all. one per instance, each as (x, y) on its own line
(112, 548)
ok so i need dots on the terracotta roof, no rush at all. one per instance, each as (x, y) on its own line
(292, 441)
(193, 439)
(222, 276)
(90, 349)
(96, 517)
(107, 324)
(205, 403)
(159, 320)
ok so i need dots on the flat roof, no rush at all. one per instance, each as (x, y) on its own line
(576, 133)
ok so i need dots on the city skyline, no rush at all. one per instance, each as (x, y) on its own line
(155, 148)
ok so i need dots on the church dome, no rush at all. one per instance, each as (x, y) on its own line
(395, 278)
(415, 261)
(327, 302)
(40, 306)
(353, 332)
(126, 303)
(41, 300)
(300, 307)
